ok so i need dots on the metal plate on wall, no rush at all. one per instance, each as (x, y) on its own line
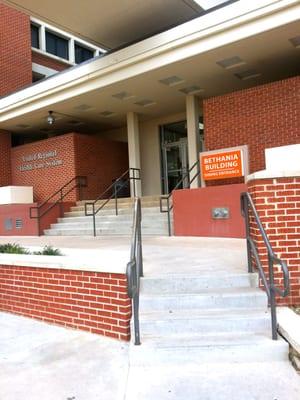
(220, 212)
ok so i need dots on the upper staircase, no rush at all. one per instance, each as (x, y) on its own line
(76, 223)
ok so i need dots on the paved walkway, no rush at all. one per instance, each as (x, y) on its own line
(41, 361)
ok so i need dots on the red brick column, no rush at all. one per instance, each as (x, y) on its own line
(92, 301)
(15, 49)
(278, 203)
(5, 167)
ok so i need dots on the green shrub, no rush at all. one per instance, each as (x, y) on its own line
(13, 248)
(48, 251)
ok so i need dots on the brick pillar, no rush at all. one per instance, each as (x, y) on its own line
(5, 166)
(278, 203)
(15, 50)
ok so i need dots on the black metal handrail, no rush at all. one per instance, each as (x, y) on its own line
(78, 182)
(132, 174)
(134, 268)
(167, 197)
(269, 284)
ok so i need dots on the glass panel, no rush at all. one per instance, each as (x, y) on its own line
(82, 54)
(57, 45)
(35, 36)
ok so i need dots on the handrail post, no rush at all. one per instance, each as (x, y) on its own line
(247, 228)
(139, 246)
(272, 298)
(169, 217)
(80, 189)
(61, 210)
(94, 220)
(116, 197)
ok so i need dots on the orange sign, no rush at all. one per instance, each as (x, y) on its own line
(222, 165)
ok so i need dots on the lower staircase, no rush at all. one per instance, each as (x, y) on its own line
(75, 223)
(206, 332)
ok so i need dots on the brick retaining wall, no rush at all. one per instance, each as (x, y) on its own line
(96, 302)
(278, 203)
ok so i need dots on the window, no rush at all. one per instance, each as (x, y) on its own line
(57, 45)
(35, 42)
(82, 54)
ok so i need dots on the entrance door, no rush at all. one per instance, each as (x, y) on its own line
(175, 164)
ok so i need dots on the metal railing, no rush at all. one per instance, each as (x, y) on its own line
(253, 256)
(134, 268)
(37, 212)
(167, 197)
(112, 191)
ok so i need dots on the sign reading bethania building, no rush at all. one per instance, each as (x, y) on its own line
(224, 163)
(40, 160)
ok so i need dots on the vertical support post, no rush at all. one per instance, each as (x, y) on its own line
(192, 118)
(169, 216)
(272, 299)
(61, 206)
(134, 150)
(94, 219)
(247, 228)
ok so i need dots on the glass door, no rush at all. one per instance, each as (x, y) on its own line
(175, 164)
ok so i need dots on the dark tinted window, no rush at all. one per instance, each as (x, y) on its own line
(35, 36)
(82, 54)
(57, 45)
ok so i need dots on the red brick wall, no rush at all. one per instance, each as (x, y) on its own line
(92, 301)
(49, 62)
(45, 181)
(15, 50)
(262, 117)
(98, 159)
(5, 169)
(101, 160)
(278, 204)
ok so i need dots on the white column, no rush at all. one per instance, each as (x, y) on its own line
(192, 118)
(134, 148)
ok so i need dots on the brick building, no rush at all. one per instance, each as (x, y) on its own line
(218, 78)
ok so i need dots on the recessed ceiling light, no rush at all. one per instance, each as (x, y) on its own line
(172, 80)
(244, 75)
(123, 96)
(295, 41)
(22, 126)
(207, 4)
(145, 103)
(107, 114)
(231, 62)
(83, 107)
(194, 89)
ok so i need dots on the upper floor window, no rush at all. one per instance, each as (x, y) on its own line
(35, 42)
(82, 53)
(57, 45)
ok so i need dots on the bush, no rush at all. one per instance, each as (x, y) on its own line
(13, 248)
(48, 251)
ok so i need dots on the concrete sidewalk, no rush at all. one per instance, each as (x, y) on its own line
(41, 361)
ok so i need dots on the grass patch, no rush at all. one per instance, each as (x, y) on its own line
(14, 248)
(48, 251)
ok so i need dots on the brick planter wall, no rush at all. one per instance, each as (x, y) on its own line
(278, 203)
(96, 302)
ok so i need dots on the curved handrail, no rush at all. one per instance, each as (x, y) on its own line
(79, 182)
(269, 284)
(131, 174)
(167, 197)
(134, 269)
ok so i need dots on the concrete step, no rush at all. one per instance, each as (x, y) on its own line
(109, 224)
(110, 218)
(170, 284)
(123, 200)
(111, 206)
(210, 298)
(184, 322)
(75, 211)
(198, 349)
(103, 231)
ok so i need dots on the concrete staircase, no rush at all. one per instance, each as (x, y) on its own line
(198, 331)
(75, 223)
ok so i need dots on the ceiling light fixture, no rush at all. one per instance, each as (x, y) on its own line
(50, 118)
